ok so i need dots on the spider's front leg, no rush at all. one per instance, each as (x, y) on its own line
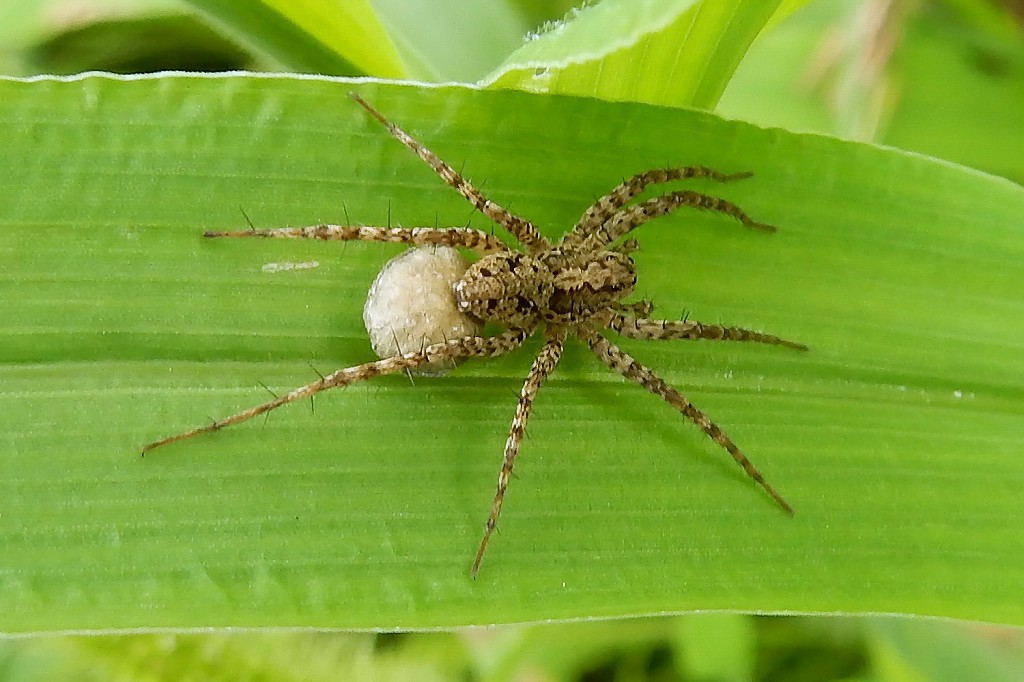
(545, 363)
(470, 346)
(465, 237)
(520, 228)
(621, 362)
(628, 219)
(619, 196)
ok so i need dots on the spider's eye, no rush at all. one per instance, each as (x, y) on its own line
(524, 305)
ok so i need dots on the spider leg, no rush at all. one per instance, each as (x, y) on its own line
(641, 328)
(621, 362)
(466, 237)
(628, 219)
(545, 363)
(642, 308)
(626, 247)
(520, 228)
(469, 346)
(619, 196)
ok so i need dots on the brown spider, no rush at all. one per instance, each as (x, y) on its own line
(572, 288)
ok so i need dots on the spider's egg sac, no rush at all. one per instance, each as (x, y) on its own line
(411, 305)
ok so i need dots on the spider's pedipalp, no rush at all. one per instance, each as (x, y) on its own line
(520, 228)
(545, 363)
(621, 362)
(619, 196)
(465, 237)
(470, 346)
(644, 329)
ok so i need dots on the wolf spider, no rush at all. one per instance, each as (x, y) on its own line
(572, 288)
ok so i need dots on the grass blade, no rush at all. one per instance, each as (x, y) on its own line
(897, 437)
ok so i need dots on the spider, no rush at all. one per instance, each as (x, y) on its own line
(570, 289)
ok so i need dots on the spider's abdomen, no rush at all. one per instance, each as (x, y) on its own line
(508, 288)
(581, 290)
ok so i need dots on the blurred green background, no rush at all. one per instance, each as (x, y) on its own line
(945, 79)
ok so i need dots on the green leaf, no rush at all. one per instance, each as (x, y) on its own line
(944, 76)
(908, 650)
(444, 40)
(452, 40)
(318, 36)
(715, 646)
(25, 23)
(673, 52)
(896, 438)
(996, 21)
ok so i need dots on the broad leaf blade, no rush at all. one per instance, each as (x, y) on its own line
(897, 437)
(452, 40)
(317, 36)
(656, 51)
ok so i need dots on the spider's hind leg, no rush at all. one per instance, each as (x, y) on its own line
(639, 327)
(464, 237)
(470, 346)
(545, 363)
(624, 364)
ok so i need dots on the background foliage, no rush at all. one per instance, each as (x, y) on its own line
(897, 72)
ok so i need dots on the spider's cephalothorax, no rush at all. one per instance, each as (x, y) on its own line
(556, 287)
(573, 288)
